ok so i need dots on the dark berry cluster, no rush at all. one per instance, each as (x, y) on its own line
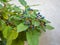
(39, 16)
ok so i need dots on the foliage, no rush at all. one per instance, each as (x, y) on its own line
(17, 25)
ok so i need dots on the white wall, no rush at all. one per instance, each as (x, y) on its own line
(51, 10)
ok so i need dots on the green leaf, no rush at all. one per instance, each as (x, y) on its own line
(1, 25)
(35, 23)
(17, 9)
(33, 16)
(23, 2)
(21, 27)
(9, 33)
(6, 31)
(49, 27)
(44, 20)
(14, 20)
(13, 35)
(5, 16)
(1, 6)
(43, 28)
(40, 28)
(33, 37)
(16, 17)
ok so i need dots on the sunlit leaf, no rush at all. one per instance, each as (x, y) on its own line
(17, 9)
(21, 27)
(23, 2)
(13, 35)
(6, 31)
(33, 37)
(9, 34)
(35, 23)
(1, 25)
(44, 20)
(5, 16)
(49, 27)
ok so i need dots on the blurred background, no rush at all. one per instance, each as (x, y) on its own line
(51, 10)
